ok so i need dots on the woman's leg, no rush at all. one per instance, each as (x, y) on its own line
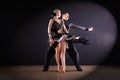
(63, 51)
(57, 57)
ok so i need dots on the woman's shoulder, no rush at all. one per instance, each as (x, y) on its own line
(51, 19)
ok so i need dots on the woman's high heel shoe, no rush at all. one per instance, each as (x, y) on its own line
(58, 68)
(63, 69)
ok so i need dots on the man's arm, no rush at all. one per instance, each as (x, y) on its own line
(64, 26)
(81, 27)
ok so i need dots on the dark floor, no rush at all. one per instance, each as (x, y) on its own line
(34, 72)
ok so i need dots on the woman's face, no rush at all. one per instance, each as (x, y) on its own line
(58, 13)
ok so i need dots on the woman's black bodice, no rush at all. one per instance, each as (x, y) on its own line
(55, 27)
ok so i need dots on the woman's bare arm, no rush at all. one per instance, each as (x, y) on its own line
(49, 28)
(50, 32)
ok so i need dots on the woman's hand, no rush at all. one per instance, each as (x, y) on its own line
(51, 42)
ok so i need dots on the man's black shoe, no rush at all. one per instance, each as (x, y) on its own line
(79, 69)
(45, 69)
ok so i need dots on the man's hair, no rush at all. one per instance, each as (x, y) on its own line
(65, 13)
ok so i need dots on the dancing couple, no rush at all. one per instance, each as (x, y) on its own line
(61, 41)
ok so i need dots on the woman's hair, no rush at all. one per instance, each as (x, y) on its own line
(54, 12)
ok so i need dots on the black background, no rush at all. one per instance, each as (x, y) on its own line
(13, 14)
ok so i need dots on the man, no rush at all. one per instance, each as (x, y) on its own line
(73, 53)
(71, 50)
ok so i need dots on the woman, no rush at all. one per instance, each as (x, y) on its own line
(57, 27)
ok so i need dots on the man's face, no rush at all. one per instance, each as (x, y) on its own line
(66, 16)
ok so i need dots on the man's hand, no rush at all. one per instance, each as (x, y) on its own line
(77, 37)
(90, 29)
